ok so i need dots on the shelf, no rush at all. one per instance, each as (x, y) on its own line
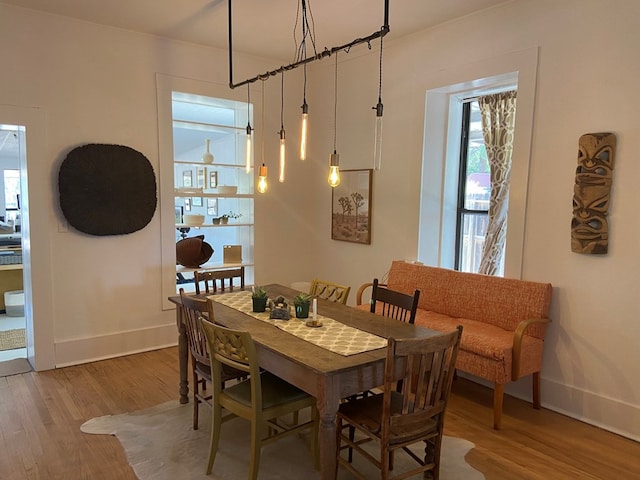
(214, 164)
(207, 225)
(214, 195)
(211, 266)
(11, 266)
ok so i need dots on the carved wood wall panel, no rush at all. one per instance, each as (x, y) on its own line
(591, 193)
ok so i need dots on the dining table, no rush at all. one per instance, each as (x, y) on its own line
(326, 375)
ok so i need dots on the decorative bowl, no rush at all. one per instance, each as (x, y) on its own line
(193, 220)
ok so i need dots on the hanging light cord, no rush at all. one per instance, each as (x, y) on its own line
(380, 85)
(335, 104)
(262, 117)
(282, 102)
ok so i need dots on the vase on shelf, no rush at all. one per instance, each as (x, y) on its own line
(207, 157)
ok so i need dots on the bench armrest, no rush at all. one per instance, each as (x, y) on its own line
(362, 288)
(517, 343)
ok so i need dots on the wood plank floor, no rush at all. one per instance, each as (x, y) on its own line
(41, 414)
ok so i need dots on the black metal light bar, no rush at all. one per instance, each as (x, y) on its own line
(325, 53)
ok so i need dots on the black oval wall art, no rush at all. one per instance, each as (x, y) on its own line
(107, 189)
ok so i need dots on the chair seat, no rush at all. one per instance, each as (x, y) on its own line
(367, 414)
(275, 392)
(228, 373)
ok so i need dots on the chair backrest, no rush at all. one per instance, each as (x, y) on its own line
(423, 368)
(194, 310)
(398, 305)
(236, 349)
(329, 291)
(215, 280)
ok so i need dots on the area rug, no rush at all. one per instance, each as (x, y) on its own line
(12, 339)
(160, 444)
(14, 367)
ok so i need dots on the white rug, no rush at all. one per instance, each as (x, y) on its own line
(160, 444)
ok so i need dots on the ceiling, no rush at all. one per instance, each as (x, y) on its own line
(260, 27)
(263, 28)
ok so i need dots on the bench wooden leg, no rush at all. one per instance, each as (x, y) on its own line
(498, 395)
(535, 381)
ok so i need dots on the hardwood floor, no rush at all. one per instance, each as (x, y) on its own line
(41, 414)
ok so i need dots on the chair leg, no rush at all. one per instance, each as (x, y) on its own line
(216, 421)
(256, 447)
(498, 395)
(352, 436)
(535, 380)
(195, 401)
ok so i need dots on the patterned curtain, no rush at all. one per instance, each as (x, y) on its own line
(498, 113)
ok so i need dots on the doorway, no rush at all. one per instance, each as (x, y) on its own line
(12, 285)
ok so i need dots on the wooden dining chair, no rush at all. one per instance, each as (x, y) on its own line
(218, 280)
(397, 305)
(262, 398)
(397, 419)
(194, 310)
(329, 291)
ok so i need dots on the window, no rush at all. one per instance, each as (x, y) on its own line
(445, 96)
(474, 190)
(11, 193)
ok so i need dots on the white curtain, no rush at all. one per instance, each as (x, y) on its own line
(498, 113)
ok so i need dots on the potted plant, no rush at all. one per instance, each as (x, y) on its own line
(225, 218)
(259, 298)
(302, 301)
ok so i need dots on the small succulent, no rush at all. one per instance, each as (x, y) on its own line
(258, 292)
(302, 299)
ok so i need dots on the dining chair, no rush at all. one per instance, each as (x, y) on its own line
(218, 280)
(397, 419)
(194, 310)
(262, 398)
(329, 291)
(397, 305)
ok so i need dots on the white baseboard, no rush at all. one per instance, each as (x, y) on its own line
(603, 412)
(84, 350)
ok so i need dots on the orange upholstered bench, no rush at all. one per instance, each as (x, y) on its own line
(504, 321)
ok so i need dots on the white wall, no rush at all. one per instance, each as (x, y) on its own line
(587, 76)
(97, 85)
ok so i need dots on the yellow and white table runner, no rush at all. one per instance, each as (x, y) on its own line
(332, 335)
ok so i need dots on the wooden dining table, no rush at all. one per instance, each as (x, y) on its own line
(327, 376)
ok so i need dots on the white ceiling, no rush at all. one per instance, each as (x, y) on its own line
(260, 27)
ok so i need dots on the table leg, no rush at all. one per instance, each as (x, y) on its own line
(183, 357)
(327, 438)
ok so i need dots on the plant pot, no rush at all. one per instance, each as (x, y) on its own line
(259, 304)
(215, 221)
(224, 220)
(302, 310)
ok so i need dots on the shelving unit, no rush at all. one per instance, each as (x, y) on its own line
(213, 189)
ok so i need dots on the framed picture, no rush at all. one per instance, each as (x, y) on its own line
(187, 178)
(351, 207)
(213, 179)
(196, 201)
(179, 214)
(187, 204)
(212, 206)
(200, 178)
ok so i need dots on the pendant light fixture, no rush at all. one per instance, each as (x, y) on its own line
(283, 147)
(377, 147)
(305, 120)
(334, 158)
(262, 176)
(307, 33)
(249, 134)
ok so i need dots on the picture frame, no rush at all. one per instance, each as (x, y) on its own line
(187, 178)
(179, 214)
(212, 207)
(351, 207)
(200, 178)
(213, 179)
(196, 201)
(187, 204)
